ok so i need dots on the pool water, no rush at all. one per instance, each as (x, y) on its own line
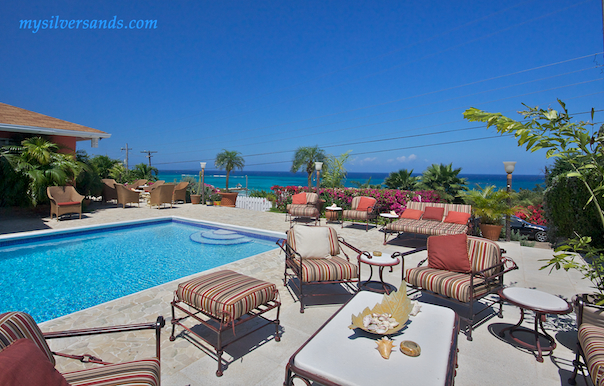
(57, 276)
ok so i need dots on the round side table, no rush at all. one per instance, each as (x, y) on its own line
(542, 304)
(333, 213)
(385, 260)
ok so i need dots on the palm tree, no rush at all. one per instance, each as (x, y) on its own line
(38, 159)
(229, 160)
(401, 180)
(144, 171)
(445, 181)
(305, 157)
(334, 171)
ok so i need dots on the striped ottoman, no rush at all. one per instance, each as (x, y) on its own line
(228, 299)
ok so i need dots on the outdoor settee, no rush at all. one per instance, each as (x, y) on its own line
(64, 200)
(361, 208)
(126, 196)
(27, 359)
(431, 218)
(305, 205)
(463, 269)
(109, 191)
(313, 256)
(590, 343)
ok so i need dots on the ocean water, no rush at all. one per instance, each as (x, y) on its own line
(265, 180)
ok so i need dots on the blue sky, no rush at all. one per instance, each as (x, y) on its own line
(265, 77)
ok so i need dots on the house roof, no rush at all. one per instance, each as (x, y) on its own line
(16, 119)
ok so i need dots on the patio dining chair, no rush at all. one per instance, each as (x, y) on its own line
(27, 359)
(180, 192)
(64, 200)
(136, 184)
(109, 192)
(126, 196)
(313, 256)
(161, 195)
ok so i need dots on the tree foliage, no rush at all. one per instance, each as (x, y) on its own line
(490, 204)
(333, 171)
(402, 180)
(445, 181)
(229, 160)
(305, 158)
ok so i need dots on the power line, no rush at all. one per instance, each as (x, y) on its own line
(149, 152)
(127, 149)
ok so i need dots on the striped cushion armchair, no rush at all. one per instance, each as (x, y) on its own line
(305, 205)
(463, 269)
(26, 357)
(313, 255)
(590, 344)
(363, 209)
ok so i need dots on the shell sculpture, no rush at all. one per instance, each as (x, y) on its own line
(385, 346)
(386, 317)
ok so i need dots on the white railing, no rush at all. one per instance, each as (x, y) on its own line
(258, 204)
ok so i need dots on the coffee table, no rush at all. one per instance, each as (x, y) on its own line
(540, 302)
(385, 260)
(336, 355)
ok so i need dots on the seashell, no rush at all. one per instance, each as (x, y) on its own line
(385, 347)
(367, 321)
(410, 348)
(416, 308)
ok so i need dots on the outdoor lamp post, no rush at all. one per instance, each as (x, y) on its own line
(509, 169)
(318, 167)
(203, 185)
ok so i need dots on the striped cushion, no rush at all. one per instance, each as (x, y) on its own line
(312, 198)
(332, 234)
(453, 207)
(427, 227)
(335, 268)
(452, 284)
(591, 339)
(355, 214)
(226, 295)
(303, 210)
(140, 373)
(19, 325)
(483, 254)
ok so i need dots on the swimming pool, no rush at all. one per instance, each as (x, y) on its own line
(51, 274)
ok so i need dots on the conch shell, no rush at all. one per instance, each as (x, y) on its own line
(396, 305)
(385, 347)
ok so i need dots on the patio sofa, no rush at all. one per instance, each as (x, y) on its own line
(430, 218)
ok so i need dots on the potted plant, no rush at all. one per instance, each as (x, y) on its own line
(491, 205)
(229, 160)
(215, 198)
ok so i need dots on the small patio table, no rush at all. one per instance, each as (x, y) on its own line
(335, 213)
(336, 355)
(385, 260)
(540, 302)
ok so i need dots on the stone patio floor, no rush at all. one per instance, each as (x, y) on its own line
(258, 359)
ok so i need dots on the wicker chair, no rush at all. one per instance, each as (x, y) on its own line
(64, 200)
(26, 359)
(312, 256)
(126, 196)
(109, 192)
(161, 195)
(365, 212)
(180, 192)
(136, 184)
(483, 277)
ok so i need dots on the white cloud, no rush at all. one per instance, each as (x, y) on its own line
(406, 159)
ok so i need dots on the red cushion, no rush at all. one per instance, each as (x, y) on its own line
(414, 214)
(457, 217)
(68, 203)
(449, 253)
(23, 364)
(433, 213)
(366, 203)
(299, 199)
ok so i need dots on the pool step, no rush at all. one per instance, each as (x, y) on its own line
(219, 237)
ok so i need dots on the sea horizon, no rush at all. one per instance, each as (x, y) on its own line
(264, 180)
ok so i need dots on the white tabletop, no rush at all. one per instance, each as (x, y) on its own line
(333, 208)
(385, 260)
(388, 215)
(348, 357)
(534, 299)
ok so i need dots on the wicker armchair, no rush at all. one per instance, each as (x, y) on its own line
(26, 358)
(64, 200)
(136, 184)
(126, 196)
(109, 192)
(161, 195)
(180, 192)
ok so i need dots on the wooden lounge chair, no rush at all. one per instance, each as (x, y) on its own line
(126, 196)
(305, 205)
(26, 358)
(180, 192)
(161, 195)
(361, 208)
(312, 256)
(64, 200)
(463, 269)
(222, 301)
(109, 192)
